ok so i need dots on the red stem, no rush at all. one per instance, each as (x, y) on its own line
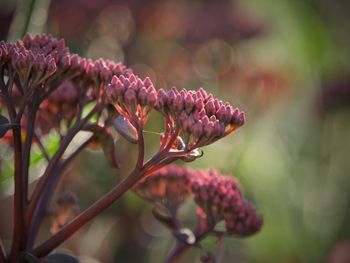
(26, 150)
(18, 240)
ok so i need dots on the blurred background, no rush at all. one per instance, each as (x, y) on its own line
(286, 63)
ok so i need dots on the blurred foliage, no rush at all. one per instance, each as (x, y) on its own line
(275, 59)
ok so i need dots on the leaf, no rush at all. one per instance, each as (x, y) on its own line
(125, 129)
(4, 125)
(193, 155)
(60, 257)
(163, 216)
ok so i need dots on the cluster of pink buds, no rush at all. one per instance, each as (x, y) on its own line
(132, 97)
(61, 105)
(168, 186)
(35, 59)
(220, 198)
(202, 118)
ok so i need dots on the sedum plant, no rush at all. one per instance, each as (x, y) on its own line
(44, 87)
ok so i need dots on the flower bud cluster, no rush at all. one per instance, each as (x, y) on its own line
(132, 96)
(26, 63)
(62, 104)
(35, 59)
(198, 114)
(220, 198)
(168, 186)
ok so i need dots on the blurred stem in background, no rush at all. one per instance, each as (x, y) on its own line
(30, 16)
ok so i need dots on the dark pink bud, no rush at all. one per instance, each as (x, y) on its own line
(66, 61)
(178, 103)
(203, 93)
(189, 103)
(142, 96)
(111, 93)
(152, 99)
(219, 129)
(133, 86)
(188, 125)
(209, 129)
(205, 121)
(221, 113)
(162, 98)
(198, 129)
(51, 67)
(183, 116)
(27, 39)
(105, 73)
(210, 107)
(75, 61)
(114, 79)
(119, 88)
(212, 118)
(171, 97)
(199, 104)
(130, 97)
(241, 118)
(132, 78)
(139, 83)
(147, 82)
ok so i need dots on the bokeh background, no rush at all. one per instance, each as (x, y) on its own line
(284, 62)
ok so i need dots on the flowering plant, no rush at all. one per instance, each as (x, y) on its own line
(44, 87)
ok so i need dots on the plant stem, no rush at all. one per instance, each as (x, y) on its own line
(96, 208)
(42, 147)
(27, 149)
(18, 240)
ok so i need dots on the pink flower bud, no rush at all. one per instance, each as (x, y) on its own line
(147, 82)
(130, 97)
(114, 79)
(162, 98)
(178, 103)
(152, 99)
(66, 61)
(210, 107)
(189, 103)
(142, 96)
(198, 129)
(199, 104)
(209, 129)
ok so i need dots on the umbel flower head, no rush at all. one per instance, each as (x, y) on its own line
(34, 59)
(200, 117)
(168, 186)
(132, 97)
(217, 197)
